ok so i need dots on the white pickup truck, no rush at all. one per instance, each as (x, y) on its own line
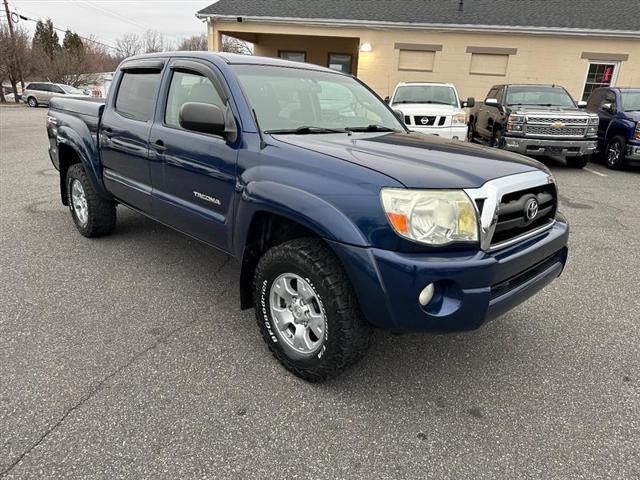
(433, 108)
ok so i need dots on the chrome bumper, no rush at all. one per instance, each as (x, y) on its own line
(556, 147)
(633, 153)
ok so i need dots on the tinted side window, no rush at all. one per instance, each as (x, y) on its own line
(189, 87)
(492, 93)
(594, 100)
(30, 86)
(609, 97)
(136, 96)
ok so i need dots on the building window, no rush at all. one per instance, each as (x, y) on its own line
(293, 56)
(340, 62)
(488, 64)
(416, 60)
(599, 74)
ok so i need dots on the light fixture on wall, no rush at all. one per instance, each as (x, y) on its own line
(366, 47)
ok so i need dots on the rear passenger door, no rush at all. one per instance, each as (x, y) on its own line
(124, 133)
(193, 173)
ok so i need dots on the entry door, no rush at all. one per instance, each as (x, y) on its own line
(124, 137)
(599, 74)
(193, 173)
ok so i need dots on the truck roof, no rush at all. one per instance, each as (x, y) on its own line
(235, 59)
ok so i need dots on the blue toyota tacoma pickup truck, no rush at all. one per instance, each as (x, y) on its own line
(342, 219)
(619, 128)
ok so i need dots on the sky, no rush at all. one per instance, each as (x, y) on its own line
(108, 20)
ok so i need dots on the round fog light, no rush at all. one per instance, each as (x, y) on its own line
(426, 295)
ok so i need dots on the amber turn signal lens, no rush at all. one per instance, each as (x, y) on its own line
(399, 222)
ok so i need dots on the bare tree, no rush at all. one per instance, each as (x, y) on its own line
(129, 45)
(197, 42)
(235, 45)
(11, 57)
(152, 41)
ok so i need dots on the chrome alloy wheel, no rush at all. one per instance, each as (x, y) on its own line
(613, 155)
(297, 313)
(79, 203)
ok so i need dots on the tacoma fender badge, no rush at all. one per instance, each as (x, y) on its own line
(206, 198)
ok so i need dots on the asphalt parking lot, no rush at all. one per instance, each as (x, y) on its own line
(128, 357)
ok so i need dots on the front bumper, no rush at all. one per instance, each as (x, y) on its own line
(633, 153)
(551, 146)
(458, 132)
(471, 287)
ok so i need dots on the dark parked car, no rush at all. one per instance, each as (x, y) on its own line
(341, 217)
(619, 129)
(535, 120)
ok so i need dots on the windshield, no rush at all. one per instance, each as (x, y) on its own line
(309, 101)
(438, 94)
(539, 96)
(631, 101)
(71, 90)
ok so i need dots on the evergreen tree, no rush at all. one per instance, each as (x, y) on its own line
(45, 38)
(72, 43)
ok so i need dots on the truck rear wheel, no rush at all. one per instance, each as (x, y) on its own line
(307, 311)
(578, 162)
(92, 215)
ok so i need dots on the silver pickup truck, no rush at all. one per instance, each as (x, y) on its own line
(535, 120)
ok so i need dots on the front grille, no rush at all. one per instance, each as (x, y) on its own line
(565, 120)
(429, 120)
(549, 131)
(512, 220)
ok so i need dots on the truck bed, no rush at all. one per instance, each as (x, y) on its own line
(90, 106)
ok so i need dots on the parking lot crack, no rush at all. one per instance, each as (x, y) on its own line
(103, 381)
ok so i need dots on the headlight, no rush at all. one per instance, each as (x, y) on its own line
(514, 118)
(459, 119)
(594, 120)
(592, 131)
(433, 217)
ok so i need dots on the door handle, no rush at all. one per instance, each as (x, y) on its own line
(159, 146)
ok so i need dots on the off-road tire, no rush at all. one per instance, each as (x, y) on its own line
(346, 335)
(578, 162)
(101, 212)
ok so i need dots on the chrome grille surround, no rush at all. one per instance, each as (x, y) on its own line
(490, 195)
(556, 126)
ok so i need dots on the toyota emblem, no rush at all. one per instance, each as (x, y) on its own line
(531, 209)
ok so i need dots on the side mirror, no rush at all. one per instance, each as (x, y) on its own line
(387, 99)
(607, 107)
(400, 115)
(471, 102)
(582, 104)
(202, 117)
(492, 102)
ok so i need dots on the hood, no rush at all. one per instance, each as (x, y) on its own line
(425, 109)
(417, 160)
(634, 115)
(579, 112)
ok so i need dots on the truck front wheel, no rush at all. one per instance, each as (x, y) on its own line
(307, 311)
(92, 215)
(615, 152)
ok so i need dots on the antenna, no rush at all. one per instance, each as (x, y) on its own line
(461, 6)
(255, 118)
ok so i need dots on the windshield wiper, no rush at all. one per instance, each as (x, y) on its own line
(305, 130)
(371, 128)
